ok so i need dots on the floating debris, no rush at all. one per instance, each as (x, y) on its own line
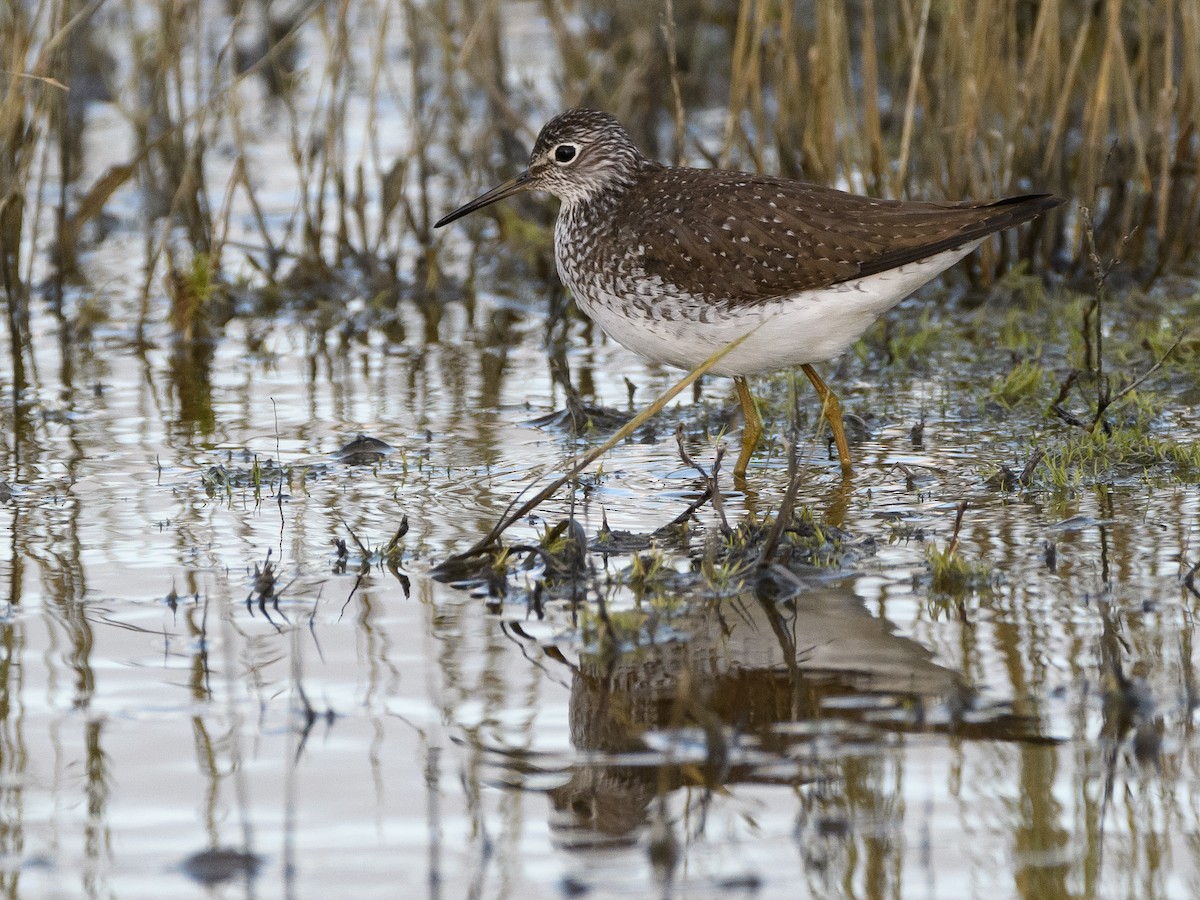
(364, 450)
(213, 867)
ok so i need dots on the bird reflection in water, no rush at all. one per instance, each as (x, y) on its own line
(744, 698)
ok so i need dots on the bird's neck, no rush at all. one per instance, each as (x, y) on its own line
(597, 204)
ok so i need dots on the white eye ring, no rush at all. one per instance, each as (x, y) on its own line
(565, 154)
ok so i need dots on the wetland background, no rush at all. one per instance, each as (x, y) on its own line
(252, 404)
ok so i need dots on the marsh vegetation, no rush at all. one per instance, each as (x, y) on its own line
(255, 408)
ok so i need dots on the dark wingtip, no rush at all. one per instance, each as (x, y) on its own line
(1033, 203)
(1012, 211)
(987, 218)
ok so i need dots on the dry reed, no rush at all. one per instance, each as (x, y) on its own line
(920, 98)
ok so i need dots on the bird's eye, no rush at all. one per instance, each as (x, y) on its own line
(564, 153)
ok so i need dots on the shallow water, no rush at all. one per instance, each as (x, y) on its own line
(869, 736)
(347, 716)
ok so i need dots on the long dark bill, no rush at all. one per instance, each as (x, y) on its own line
(510, 187)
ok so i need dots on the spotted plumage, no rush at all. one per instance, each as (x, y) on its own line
(675, 263)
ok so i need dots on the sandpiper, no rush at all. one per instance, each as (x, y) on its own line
(676, 263)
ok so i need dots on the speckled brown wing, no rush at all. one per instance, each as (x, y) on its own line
(754, 237)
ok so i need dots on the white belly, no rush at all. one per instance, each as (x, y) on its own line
(807, 327)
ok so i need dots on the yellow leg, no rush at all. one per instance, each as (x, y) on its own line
(753, 429)
(831, 410)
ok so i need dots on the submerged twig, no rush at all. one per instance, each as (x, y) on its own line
(784, 516)
(489, 540)
(1189, 580)
(714, 490)
(1158, 364)
(958, 518)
